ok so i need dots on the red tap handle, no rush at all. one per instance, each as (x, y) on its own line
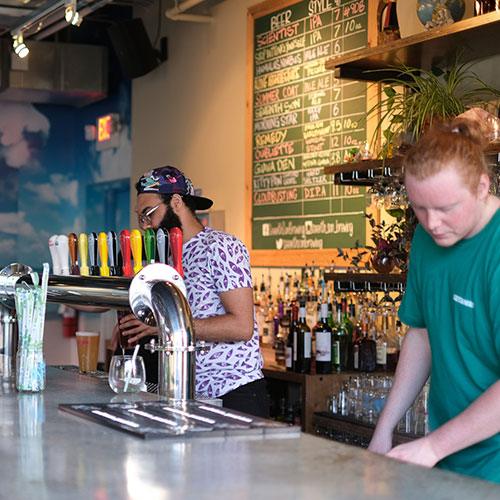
(176, 247)
(125, 248)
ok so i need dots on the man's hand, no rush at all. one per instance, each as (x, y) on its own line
(418, 452)
(134, 329)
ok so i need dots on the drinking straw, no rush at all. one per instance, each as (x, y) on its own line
(30, 305)
(130, 367)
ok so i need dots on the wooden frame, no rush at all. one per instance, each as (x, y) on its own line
(290, 258)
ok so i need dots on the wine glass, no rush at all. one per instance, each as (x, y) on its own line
(126, 374)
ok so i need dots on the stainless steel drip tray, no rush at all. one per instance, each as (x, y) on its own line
(166, 419)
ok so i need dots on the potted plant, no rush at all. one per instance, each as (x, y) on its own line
(414, 98)
(390, 247)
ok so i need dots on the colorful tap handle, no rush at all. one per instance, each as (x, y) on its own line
(73, 253)
(161, 243)
(103, 254)
(56, 265)
(136, 244)
(94, 268)
(176, 245)
(114, 270)
(63, 253)
(150, 246)
(83, 245)
(126, 255)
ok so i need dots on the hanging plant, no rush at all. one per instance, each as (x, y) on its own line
(415, 98)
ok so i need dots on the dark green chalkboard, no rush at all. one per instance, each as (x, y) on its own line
(303, 120)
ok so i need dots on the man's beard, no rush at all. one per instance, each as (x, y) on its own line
(170, 220)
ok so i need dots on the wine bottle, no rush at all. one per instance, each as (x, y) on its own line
(303, 345)
(323, 343)
(349, 327)
(291, 352)
(367, 351)
(339, 342)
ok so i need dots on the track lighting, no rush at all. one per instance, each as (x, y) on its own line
(19, 46)
(71, 14)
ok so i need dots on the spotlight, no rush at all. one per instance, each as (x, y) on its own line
(71, 14)
(19, 46)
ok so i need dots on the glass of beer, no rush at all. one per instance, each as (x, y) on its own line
(87, 344)
(123, 339)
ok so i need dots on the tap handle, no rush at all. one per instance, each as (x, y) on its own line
(113, 253)
(136, 244)
(125, 247)
(73, 253)
(94, 268)
(150, 246)
(176, 245)
(103, 254)
(56, 265)
(84, 253)
(63, 252)
(162, 244)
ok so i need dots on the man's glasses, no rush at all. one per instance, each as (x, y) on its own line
(145, 218)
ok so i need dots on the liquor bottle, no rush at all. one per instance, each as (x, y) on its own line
(381, 350)
(290, 352)
(339, 342)
(367, 351)
(323, 343)
(349, 327)
(268, 325)
(303, 343)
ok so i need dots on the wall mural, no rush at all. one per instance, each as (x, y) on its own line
(47, 170)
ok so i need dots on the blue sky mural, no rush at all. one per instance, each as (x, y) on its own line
(46, 168)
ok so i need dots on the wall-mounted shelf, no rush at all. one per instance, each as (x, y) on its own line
(366, 172)
(475, 36)
(367, 282)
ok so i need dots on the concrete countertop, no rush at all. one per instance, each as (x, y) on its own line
(49, 454)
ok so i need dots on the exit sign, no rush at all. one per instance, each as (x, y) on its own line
(108, 131)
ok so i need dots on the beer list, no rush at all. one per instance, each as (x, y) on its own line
(304, 119)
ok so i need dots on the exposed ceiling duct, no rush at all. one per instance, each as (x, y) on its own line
(178, 12)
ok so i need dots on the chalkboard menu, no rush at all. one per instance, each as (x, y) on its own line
(303, 120)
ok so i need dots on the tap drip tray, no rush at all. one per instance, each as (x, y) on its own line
(167, 419)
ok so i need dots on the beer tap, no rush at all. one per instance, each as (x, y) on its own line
(103, 254)
(114, 270)
(73, 253)
(150, 246)
(94, 268)
(162, 245)
(136, 244)
(176, 245)
(84, 252)
(125, 248)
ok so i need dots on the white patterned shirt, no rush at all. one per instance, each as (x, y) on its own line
(216, 262)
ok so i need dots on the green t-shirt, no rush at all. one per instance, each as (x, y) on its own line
(454, 292)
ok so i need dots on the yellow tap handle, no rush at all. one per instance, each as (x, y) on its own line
(103, 252)
(83, 247)
(136, 244)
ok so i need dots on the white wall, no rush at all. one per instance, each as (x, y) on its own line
(190, 112)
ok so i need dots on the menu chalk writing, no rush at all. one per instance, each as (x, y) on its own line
(303, 120)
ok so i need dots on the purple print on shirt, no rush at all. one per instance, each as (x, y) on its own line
(216, 262)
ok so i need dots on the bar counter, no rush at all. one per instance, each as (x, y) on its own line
(50, 454)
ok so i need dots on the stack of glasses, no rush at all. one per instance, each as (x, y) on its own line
(363, 397)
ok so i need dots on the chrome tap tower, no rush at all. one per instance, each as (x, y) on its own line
(157, 296)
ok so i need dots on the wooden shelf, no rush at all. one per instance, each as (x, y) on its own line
(475, 36)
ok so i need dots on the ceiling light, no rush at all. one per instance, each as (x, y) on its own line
(71, 14)
(19, 46)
